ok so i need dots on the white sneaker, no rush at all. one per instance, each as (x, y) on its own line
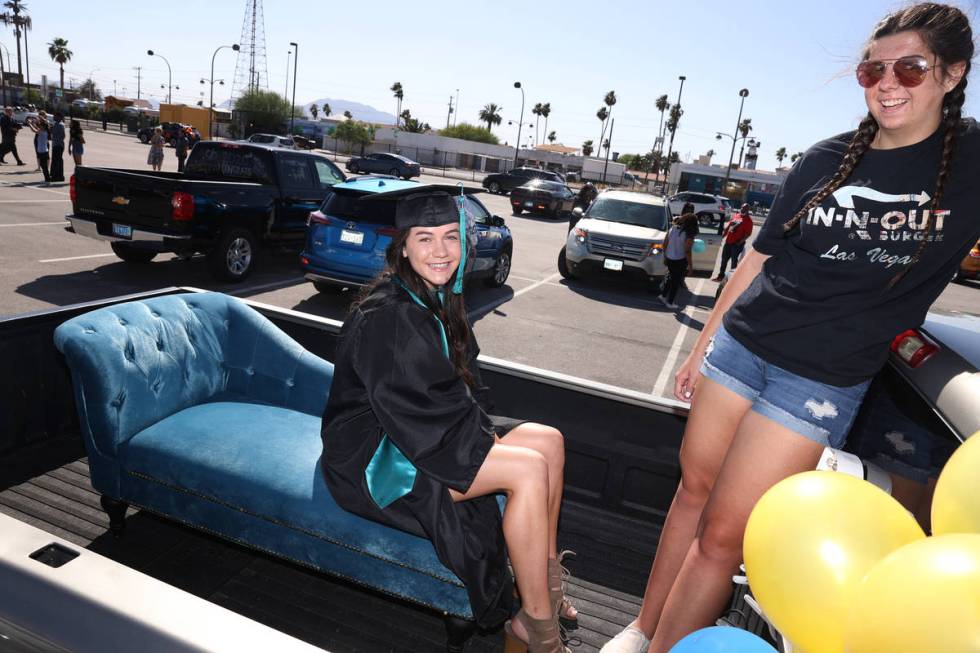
(668, 304)
(630, 640)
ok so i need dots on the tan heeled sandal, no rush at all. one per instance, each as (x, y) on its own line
(558, 577)
(542, 636)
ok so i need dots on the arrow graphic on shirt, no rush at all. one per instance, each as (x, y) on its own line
(846, 194)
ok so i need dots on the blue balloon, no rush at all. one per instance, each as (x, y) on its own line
(722, 639)
(699, 246)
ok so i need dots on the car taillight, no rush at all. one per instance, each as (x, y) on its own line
(182, 206)
(913, 348)
(974, 253)
(71, 190)
(388, 231)
(317, 218)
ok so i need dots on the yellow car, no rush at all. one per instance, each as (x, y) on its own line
(970, 267)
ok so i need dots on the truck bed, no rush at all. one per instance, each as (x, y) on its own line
(48, 487)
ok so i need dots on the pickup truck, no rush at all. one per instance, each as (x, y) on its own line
(231, 199)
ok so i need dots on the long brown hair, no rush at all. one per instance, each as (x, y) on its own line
(946, 32)
(452, 313)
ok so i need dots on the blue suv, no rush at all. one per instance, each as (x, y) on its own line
(346, 239)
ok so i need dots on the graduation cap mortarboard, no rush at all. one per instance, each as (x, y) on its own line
(431, 205)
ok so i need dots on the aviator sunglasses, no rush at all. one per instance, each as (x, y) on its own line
(910, 70)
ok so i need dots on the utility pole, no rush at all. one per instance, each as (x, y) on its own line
(138, 70)
(448, 115)
(292, 105)
(457, 107)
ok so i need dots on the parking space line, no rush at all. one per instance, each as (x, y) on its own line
(272, 285)
(44, 190)
(675, 348)
(30, 201)
(73, 258)
(486, 308)
(32, 224)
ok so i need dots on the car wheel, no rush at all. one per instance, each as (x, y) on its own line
(233, 256)
(353, 167)
(501, 270)
(706, 219)
(132, 254)
(494, 187)
(327, 288)
(563, 268)
(144, 139)
(516, 210)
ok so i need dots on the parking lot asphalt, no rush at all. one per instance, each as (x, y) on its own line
(603, 329)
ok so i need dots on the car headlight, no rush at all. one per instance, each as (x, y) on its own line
(655, 249)
(580, 235)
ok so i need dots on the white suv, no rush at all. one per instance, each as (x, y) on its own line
(710, 209)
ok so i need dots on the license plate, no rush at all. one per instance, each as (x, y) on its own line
(529, 203)
(352, 237)
(612, 264)
(122, 230)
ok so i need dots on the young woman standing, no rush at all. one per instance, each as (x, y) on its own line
(678, 245)
(863, 236)
(408, 440)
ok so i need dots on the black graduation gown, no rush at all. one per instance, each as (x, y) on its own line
(392, 377)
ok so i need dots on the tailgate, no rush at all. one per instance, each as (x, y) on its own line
(125, 197)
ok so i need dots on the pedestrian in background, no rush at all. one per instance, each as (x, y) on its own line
(155, 158)
(42, 143)
(180, 147)
(105, 120)
(76, 142)
(58, 148)
(8, 135)
(678, 245)
(736, 232)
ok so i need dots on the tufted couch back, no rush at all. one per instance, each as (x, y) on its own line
(134, 364)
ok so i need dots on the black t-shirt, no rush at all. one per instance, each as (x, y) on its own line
(821, 307)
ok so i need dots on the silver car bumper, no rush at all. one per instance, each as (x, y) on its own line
(577, 254)
(89, 229)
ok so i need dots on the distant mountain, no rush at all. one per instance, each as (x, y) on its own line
(337, 108)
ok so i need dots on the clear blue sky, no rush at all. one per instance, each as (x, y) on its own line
(795, 59)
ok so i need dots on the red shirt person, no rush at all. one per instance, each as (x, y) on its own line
(736, 232)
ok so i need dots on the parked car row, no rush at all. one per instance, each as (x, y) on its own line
(712, 210)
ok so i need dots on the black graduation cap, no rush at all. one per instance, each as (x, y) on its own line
(425, 205)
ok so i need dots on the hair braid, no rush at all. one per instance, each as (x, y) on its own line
(855, 150)
(953, 105)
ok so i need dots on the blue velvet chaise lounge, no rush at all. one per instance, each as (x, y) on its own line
(198, 408)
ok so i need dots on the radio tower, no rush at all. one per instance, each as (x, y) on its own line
(251, 70)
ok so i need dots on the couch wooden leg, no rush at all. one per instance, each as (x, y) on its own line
(116, 510)
(458, 632)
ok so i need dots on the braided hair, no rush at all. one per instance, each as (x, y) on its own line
(946, 32)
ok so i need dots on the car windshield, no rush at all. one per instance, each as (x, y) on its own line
(616, 210)
(347, 205)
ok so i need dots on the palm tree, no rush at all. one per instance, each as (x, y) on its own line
(546, 111)
(536, 111)
(326, 110)
(709, 154)
(744, 128)
(675, 119)
(780, 155)
(587, 148)
(552, 137)
(399, 93)
(490, 114)
(601, 114)
(17, 16)
(60, 54)
(313, 111)
(609, 101)
(348, 115)
(793, 158)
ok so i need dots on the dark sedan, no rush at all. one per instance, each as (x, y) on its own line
(541, 196)
(385, 163)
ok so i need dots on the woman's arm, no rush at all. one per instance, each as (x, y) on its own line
(688, 375)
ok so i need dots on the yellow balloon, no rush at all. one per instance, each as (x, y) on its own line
(924, 597)
(956, 502)
(809, 541)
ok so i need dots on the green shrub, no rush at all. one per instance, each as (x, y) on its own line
(469, 132)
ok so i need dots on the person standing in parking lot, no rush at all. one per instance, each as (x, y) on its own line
(678, 245)
(736, 233)
(180, 148)
(58, 148)
(864, 234)
(76, 142)
(8, 135)
(42, 143)
(155, 157)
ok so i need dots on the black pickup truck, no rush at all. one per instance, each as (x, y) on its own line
(231, 199)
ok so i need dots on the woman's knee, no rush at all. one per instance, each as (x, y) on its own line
(719, 537)
(531, 472)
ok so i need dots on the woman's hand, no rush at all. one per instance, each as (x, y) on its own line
(688, 376)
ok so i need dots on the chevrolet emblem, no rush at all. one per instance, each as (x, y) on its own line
(120, 200)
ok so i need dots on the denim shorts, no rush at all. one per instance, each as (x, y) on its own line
(823, 413)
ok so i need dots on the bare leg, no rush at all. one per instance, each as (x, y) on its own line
(703, 584)
(715, 414)
(523, 475)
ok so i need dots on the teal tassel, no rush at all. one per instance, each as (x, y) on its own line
(458, 285)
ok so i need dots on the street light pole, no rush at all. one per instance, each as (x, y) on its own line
(672, 132)
(285, 91)
(728, 171)
(454, 115)
(211, 100)
(3, 83)
(169, 76)
(292, 105)
(517, 150)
